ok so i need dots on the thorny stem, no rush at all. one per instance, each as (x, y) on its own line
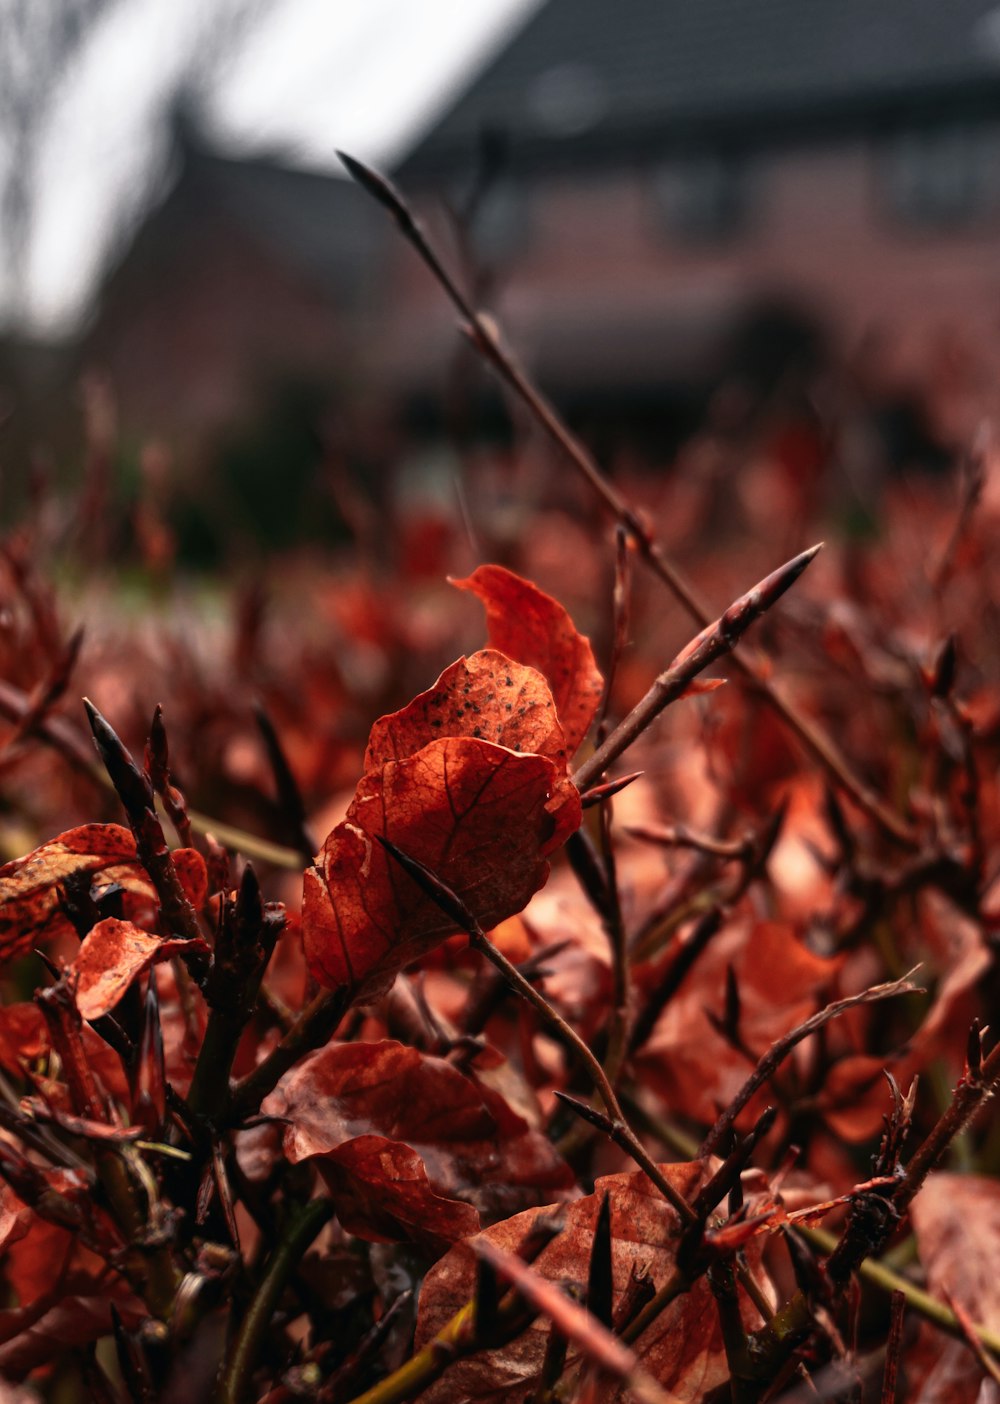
(289, 796)
(298, 1235)
(136, 794)
(715, 640)
(485, 338)
(923, 1303)
(894, 1349)
(679, 836)
(673, 1288)
(248, 930)
(873, 1270)
(975, 1087)
(618, 1028)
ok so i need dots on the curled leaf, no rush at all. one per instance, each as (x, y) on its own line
(473, 1145)
(30, 897)
(483, 818)
(485, 696)
(382, 1194)
(530, 626)
(112, 955)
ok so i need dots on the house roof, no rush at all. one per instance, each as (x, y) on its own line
(591, 76)
(311, 221)
(313, 224)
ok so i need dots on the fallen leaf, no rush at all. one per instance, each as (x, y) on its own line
(530, 626)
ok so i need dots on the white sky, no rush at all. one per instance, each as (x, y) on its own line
(367, 76)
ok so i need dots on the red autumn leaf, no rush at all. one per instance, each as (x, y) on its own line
(474, 1147)
(956, 1220)
(75, 1320)
(682, 1349)
(487, 697)
(687, 1059)
(17, 1394)
(112, 955)
(30, 899)
(383, 1194)
(483, 818)
(24, 1037)
(530, 626)
(45, 1262)
(573, 1322)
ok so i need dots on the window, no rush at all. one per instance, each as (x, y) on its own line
(944, 177)
(701, 199)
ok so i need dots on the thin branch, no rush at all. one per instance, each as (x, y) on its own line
(680, 836)
(779, 1050)
(311, 1029)
(893, 1349)
(296, 1238)
(485, 337)
(923, 1303)
(976, 1086)
(464, 920)
(715, 640)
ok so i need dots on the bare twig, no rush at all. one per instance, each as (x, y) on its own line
(715, 640)
(780, 1049)
(680, 836)
(310, 1030)
(893, 1349)
(486, 339)
(249, 1339)
(464, 920)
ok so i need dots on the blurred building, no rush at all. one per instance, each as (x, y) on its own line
(250, 279)
(669, 190)
(658, 196)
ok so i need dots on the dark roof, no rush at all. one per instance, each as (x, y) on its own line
(316, 225)
(315, 222)
(593, 76)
